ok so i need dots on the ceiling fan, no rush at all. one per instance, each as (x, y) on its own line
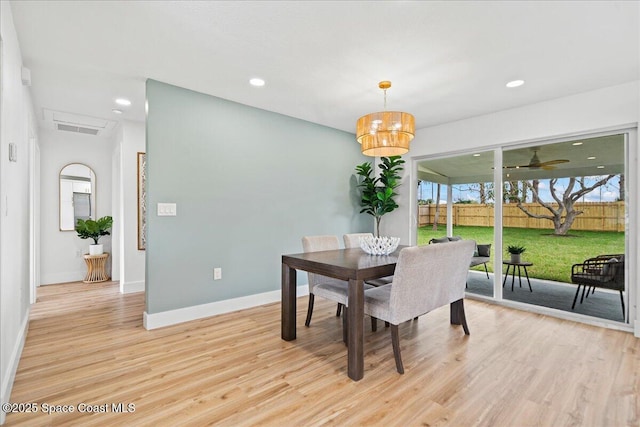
(535, 163)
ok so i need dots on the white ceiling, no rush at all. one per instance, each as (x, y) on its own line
(592, 157)
(322, 60)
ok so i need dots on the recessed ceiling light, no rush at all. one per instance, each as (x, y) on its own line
(256, 82)
(116, 111)
(600, 167)
(515, 83)
(577, 143)
(476, 155)
(591, 158)
(123, 101)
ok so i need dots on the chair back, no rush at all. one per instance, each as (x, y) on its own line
(353, 240)
(428, 277)
(317, 244)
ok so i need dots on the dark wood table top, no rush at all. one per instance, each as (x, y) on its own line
(345, 264)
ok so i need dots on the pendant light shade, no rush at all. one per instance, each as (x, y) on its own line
(385, 133)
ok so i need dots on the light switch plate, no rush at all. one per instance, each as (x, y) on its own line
(167, 209)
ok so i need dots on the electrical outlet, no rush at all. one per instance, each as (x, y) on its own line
(217, 273)
(78, 253)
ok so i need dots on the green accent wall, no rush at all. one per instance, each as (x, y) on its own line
(248, 184)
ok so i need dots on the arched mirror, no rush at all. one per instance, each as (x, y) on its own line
(77, 195)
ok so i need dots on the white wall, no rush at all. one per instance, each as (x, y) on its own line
(16, 112)
(132, 260)
(60, 250)
(599, 110)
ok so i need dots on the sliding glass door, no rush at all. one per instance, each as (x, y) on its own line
(561, 224)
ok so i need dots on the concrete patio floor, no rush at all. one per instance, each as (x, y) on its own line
(604, 304)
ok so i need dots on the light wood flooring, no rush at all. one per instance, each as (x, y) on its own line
(86, 344)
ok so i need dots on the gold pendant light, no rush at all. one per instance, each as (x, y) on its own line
(385, 133)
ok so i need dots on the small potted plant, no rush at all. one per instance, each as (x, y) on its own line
(90, 229)
(515, 252)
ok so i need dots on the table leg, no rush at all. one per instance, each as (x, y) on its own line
(288, 305)
(355, 350)
(513, 276)
(519, 276)
(505, 276)
(527, 274)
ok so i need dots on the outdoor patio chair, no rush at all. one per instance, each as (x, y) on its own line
(602, 271)
(426, 277)
(481, 255)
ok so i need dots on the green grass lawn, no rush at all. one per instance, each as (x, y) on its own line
(552, 256)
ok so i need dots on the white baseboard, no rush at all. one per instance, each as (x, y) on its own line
(131, 287)
(173, 317)
(64, 277)
(9, 376)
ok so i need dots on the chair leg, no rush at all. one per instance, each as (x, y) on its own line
(485, 269)
(461, 316)
(622, 301)
(309, 311)
(374, 324)
(590, 290)
(584, 288)
(395, 341)
(345, 326)
(338, 310)
(573, 306)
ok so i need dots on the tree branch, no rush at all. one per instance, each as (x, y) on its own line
(538, 200)
(584, 190)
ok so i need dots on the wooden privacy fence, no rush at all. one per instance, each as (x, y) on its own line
(596, 216)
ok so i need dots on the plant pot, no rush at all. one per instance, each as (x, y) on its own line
(95, 249)
(515, 258)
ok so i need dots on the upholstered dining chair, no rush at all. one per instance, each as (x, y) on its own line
(327, 287)
(426, 277)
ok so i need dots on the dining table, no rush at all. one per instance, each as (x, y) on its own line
(352, 265)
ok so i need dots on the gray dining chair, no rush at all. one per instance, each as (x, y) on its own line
(323, 286)
(426, 277)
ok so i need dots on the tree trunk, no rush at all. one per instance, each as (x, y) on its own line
(483, 194)
(535, 188)
(437, 214)
(621, 185)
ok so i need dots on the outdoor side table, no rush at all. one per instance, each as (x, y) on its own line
(96, 268)
(513, 265)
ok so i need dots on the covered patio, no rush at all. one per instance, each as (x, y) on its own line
(596, 155)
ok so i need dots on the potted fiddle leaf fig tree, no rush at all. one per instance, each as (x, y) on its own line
(377, 193)
(90, 229)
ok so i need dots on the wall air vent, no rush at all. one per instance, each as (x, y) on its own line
(78, 129)
(70, 122)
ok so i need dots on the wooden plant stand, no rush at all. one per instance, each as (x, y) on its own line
(96, 268)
